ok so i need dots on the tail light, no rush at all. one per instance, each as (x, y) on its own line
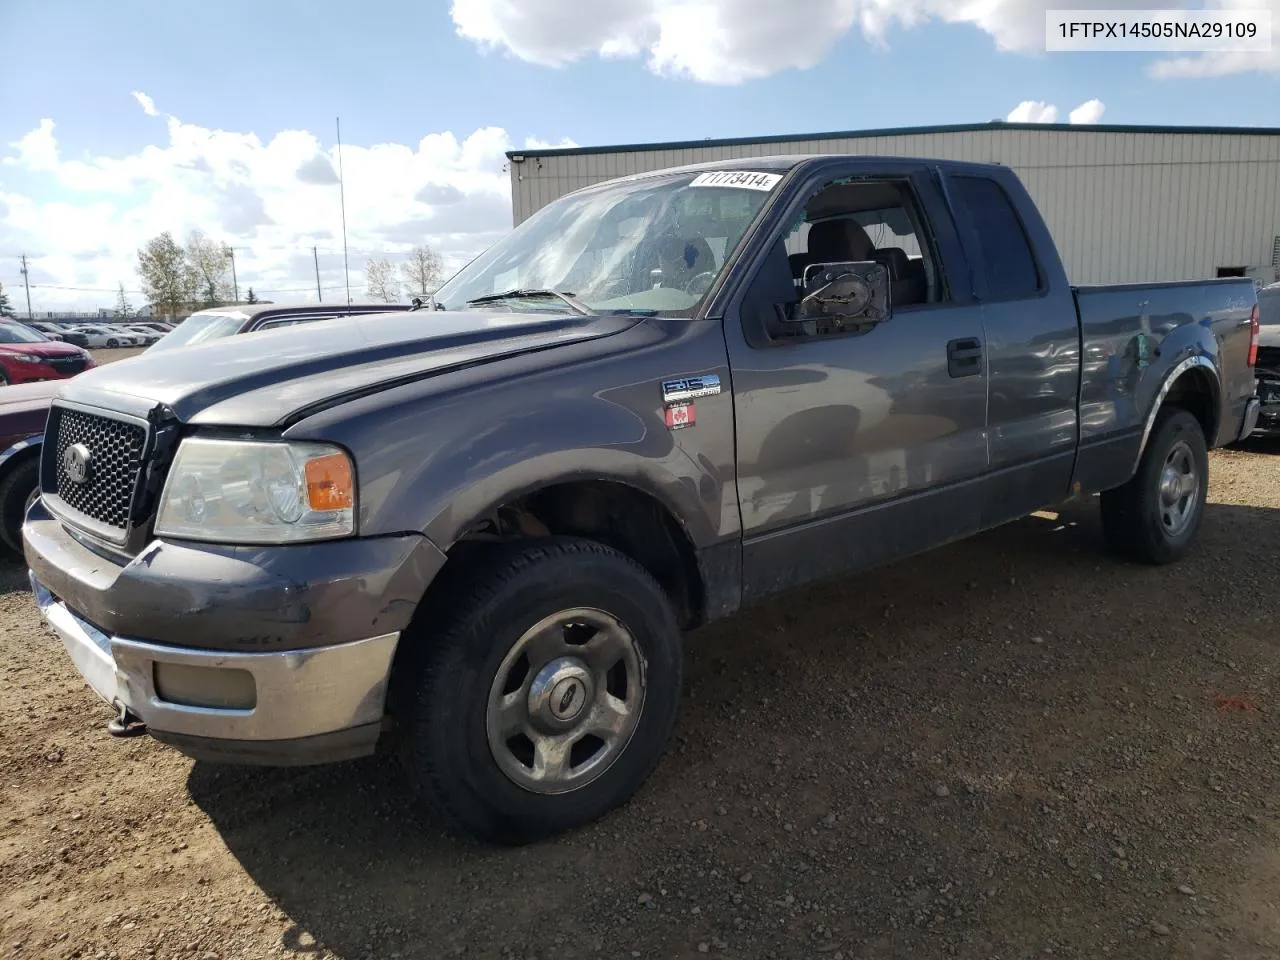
(1255, 325)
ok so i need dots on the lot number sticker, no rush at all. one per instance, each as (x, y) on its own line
(742, 179)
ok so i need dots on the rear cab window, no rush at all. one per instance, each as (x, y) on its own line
(1009, 266)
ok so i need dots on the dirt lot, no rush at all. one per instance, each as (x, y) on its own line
(1009, 748)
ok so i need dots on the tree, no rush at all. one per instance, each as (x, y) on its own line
(123, 307)
(168, 279)
(252, 297)
(380, 281)
(6, 308)
(422, 273)
(211, 262)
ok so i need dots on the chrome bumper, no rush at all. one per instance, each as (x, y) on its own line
(295, 694)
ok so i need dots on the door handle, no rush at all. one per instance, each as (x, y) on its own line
(964, 357)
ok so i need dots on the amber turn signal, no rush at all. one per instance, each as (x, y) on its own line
(330, 484)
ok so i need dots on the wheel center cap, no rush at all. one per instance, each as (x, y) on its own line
(560, 694)
(567, 698)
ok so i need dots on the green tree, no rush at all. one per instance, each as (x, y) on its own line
(252, 297)
(123, 307)
(6, 308)
(168, 279)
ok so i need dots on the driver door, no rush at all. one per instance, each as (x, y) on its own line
(856, 448)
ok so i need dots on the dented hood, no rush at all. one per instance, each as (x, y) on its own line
(265, 379)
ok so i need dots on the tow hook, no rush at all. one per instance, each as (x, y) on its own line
(125, 723)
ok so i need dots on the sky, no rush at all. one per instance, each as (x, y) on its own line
(119, 121)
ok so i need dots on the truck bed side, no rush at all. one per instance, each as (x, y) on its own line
(1144, 343)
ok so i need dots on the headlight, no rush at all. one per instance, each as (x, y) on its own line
(240, 491)
(24, 358)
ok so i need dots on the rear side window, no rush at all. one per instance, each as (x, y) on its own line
(1010, 265)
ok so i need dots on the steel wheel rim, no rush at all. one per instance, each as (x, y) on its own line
(565, 701)
(1179, 489)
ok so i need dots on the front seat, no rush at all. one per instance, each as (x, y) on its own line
(833, 241)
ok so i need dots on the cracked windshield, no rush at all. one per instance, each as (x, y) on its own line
(648, 247)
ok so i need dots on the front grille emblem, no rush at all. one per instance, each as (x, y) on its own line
(75, 463)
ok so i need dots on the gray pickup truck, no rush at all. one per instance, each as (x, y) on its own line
(476, 532)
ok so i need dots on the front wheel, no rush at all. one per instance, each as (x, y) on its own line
(18, 490)
(1154, 517)
(542, 692)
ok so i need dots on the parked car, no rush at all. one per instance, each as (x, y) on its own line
(110, 337)
(65, 333)
(145, 335)
(215, 323)
(476, 532)
(23, 412)
(1269, 359)
(27, 355)
(156, 325)
(50, 330)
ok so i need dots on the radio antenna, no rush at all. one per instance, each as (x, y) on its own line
(342, 199)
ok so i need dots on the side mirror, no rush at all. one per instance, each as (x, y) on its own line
(850, 294)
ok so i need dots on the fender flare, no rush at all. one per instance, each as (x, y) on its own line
(26, 444)
(1198, 361)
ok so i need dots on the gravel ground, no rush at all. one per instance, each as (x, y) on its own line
(1011, 747)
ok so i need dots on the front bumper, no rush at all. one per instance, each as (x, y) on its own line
(294, 706)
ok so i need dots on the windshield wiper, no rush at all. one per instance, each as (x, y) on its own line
(532, 294)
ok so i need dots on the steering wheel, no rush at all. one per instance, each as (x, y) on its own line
(708, 276)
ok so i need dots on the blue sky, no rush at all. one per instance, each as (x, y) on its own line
(402, 71)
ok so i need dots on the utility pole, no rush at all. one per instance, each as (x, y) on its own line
(27, 284)
(315, 256)
(231, 252)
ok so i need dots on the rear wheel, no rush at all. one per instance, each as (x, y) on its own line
(1154, 518)
(113, 343)
(18, 490)
(543, 690)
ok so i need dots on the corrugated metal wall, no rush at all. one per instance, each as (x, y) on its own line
(1122, 206)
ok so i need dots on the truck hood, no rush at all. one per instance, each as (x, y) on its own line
(270, 378)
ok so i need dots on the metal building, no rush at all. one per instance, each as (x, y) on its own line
(1124, 203)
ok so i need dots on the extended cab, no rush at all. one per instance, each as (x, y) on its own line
(478, 531)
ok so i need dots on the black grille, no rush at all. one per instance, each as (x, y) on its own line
(68, 365)
(115, 458)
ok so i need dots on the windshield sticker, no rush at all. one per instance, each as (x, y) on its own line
(742, 179)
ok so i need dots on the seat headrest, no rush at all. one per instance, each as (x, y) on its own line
(838, 241)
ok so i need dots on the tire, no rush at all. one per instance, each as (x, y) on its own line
(1136, 518)
(4, 380)
(450, 741)
(19, 487)
(113, 343)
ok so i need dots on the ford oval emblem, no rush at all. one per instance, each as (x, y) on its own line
(75, 463)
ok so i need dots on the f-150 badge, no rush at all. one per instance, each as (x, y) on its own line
(690, 388)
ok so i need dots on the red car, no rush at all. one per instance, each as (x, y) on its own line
(24, 410)
(27, 355)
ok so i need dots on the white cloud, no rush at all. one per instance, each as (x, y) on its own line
(273, 200)
(1037, 111)
(1225, 64)
(1033, 111)
(1087, 113)
(148, 105)
(732, 41)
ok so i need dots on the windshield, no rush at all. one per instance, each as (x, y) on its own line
(653, 246)
(199, 328)
(13, 333)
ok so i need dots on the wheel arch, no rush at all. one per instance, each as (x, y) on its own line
(619, 513)
(1192, 384)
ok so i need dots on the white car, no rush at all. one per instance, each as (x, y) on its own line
(109, 336)
(148, 335)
